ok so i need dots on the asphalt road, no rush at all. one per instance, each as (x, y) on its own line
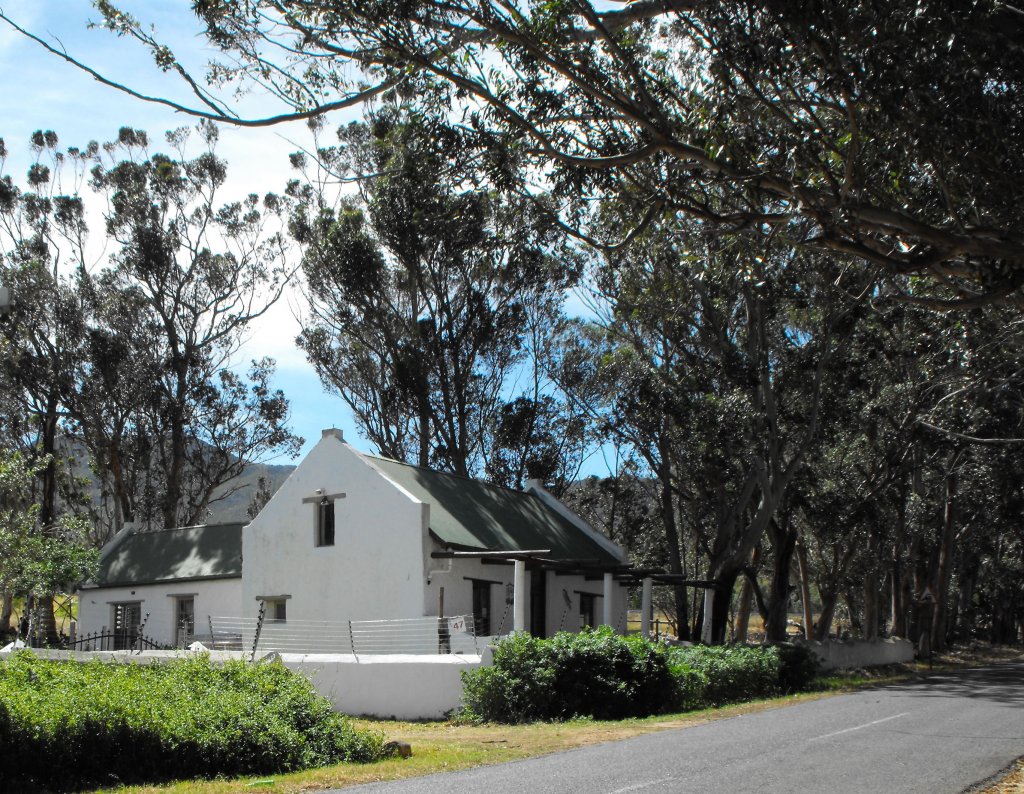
(943, 734)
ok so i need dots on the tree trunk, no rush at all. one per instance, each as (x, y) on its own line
(871, 606)
(944, 570)
(784, 543)
(722, 599)
(823, 627)
(855, 614)
(872, 598)
(175, 470)
(898, 610)
(968, 583)
(47, 625)
(742, 623)
(805, 589)
(668, 518)
(6, 611)
(897, 581)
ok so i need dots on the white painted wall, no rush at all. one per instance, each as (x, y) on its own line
(375, 569)
(216, 597)
(388, 687)
(566, 617)
(845, 654)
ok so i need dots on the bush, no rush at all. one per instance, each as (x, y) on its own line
(601, 675)
(73, 725)
(799, 667)
(739, 673)
(518, 687)
(595, 673)
(733, 674)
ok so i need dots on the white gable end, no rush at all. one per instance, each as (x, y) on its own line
(373, 569)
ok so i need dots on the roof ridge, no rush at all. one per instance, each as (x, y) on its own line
(487, 483)
(153, 531)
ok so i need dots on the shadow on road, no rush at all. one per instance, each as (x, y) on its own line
(1000, 683)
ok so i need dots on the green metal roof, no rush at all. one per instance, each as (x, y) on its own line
(470, 514)
(211, 551)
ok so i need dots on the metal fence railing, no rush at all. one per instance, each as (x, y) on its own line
(261, 635)
(113, 641)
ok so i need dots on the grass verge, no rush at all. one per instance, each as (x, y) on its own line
(1011, 783)
(443, 747)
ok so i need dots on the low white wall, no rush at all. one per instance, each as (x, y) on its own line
(840, 654)
(388, 687)
(396, 686)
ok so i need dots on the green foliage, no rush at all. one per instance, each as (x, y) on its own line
(732, 674)
(599, 674)
(518, 687)
(96, 723)
(604, 675)
(591, 674)
(736, 674)
(798, 667)
(36, 560)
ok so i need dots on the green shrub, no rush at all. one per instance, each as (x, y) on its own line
(595, 673)
(733, 674)
(518, 687)
(603, 675)
(599, 674)
(690, 685)
(73, 725)
(799, 666)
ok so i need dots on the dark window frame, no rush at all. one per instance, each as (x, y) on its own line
(482, 606)
(588, 609)
(326, 526)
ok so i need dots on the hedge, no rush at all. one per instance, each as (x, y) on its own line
(599, 674)
(71, 725)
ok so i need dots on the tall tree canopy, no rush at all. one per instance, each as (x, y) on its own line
(888, 133)
(425, 295)
(133, 361)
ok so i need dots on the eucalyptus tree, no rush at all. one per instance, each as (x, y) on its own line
(132, 361)
(426, 295)
(888, 136)
(916, 405)
(199, 273)
(42, 254)
(707, 360)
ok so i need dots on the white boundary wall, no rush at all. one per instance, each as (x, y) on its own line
(843, 654)
(395, 686)
(388, 687)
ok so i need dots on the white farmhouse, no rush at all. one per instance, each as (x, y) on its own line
(158, 582)
(353, 537)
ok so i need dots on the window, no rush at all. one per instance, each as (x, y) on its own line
(482, 608)
(325, 522)
(587, 603)
(275, 610)
(184, 620)
(126, 620)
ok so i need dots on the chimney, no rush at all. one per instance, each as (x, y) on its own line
(333, 431)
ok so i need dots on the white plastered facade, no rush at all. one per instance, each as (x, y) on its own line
(380, 566)
(158, 605)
